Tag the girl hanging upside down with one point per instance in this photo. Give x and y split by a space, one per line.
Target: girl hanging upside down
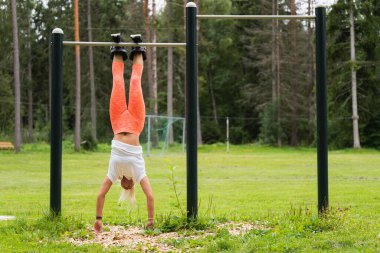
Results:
126 162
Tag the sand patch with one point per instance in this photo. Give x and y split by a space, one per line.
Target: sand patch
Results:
136 238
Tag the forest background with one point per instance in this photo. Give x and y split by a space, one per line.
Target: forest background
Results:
259 74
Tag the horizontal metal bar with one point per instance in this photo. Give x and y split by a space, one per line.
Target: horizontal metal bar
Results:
124 44
255 17
164 117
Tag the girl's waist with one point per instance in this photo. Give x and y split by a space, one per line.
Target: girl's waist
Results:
120 147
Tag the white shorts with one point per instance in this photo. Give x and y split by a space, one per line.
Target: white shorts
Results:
126 160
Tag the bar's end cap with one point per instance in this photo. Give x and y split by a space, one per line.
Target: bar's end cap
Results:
191 5
58 30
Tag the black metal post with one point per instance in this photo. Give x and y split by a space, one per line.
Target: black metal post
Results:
191 109
321 75
56 121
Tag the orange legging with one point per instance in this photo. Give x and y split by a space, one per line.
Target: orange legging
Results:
127 119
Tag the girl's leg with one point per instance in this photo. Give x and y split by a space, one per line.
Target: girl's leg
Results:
136 106
118 101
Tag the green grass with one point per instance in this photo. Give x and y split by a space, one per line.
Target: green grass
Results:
276 187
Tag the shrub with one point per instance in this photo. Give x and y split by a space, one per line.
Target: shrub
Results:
88 141
211 132
238 135
269 126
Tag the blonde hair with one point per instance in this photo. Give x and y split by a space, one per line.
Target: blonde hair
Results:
128 195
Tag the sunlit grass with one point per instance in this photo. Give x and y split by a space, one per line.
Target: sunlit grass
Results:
251 182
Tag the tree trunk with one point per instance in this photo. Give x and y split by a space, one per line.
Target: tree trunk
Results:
274 81
311 81
152 91
30 102
77 71
154 58
16 75
184 17
276 72
355 115
212 95
170 72
92 80
293 31
149 54
199 126
154 72
278 81
200 141
30 86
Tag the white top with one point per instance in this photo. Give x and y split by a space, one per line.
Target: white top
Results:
126 160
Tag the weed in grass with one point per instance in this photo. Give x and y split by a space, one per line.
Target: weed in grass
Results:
222 241
210 209
126 220
301 222
151 232
223 244
170 222
174 182
48 227
257 233
177 242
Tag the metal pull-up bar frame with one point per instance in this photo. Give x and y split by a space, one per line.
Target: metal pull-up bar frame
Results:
57 44
256 17
122 44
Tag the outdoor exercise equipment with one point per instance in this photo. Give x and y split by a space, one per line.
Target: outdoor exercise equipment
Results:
321 89
57 44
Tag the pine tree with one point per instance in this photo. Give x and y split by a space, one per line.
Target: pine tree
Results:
78 79
91 74
16 75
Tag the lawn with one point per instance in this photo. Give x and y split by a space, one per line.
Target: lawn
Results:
274 189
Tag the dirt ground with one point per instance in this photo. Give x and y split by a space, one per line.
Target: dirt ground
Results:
136 238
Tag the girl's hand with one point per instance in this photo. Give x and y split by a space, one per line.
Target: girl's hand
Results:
150 224
98 226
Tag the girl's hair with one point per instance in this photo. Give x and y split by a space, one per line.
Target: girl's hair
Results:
128 195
